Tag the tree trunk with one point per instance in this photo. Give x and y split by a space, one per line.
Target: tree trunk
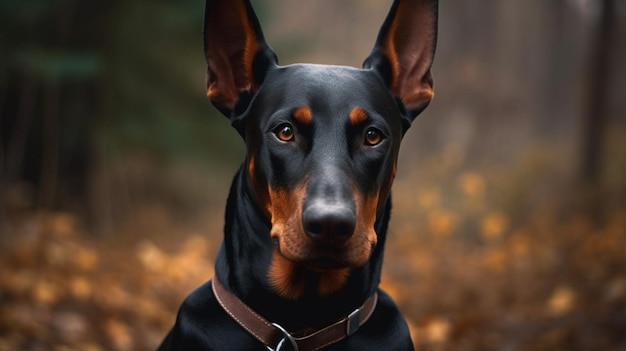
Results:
596 118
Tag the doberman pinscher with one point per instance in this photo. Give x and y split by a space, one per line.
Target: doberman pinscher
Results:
307 213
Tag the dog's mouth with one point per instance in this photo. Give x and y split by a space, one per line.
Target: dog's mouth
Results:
324 260
324 263
325 268
320 258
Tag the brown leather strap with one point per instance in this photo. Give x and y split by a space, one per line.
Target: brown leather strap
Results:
273 335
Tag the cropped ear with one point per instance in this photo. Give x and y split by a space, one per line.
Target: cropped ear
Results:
404 53
236 53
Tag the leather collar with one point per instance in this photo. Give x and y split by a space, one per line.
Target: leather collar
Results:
276 338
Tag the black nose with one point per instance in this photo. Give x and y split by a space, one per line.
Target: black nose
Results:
328 224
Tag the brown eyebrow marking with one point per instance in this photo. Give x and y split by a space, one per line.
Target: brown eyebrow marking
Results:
358 116
303 115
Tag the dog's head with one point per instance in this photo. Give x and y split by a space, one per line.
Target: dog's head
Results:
322 141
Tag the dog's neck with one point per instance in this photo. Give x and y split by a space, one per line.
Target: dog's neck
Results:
247 239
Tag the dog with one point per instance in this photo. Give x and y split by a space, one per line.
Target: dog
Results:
307 213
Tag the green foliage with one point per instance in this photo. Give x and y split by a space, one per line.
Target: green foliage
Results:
23 14
143 58
59 65
155 71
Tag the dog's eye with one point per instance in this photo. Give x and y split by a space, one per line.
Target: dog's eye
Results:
373 137
284 132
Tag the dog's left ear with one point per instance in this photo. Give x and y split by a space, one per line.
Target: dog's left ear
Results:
404 52
236 53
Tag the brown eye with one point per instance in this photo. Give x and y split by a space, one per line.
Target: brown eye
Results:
373 137
284 132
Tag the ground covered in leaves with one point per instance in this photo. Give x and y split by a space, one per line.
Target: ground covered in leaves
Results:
478 259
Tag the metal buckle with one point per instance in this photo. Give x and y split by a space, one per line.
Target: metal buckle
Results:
287 343
353 322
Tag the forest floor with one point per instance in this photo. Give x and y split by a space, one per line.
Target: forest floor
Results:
489 258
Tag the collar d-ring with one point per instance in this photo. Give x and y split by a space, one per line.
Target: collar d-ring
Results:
287 343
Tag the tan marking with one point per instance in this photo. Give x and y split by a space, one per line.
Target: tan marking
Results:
332 281
366 208
250 50
358 116
419 98
303 115
251 169
287 278
222 94
285 209
260 188
391 53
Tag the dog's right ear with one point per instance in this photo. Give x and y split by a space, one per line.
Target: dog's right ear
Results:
236 53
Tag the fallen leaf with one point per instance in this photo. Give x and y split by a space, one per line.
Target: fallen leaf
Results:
151 256
69 326
80 288
120 335
493 226
561 301
45 293
471 184
437 330
442 222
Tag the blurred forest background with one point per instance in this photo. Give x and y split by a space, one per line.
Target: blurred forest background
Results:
509 230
